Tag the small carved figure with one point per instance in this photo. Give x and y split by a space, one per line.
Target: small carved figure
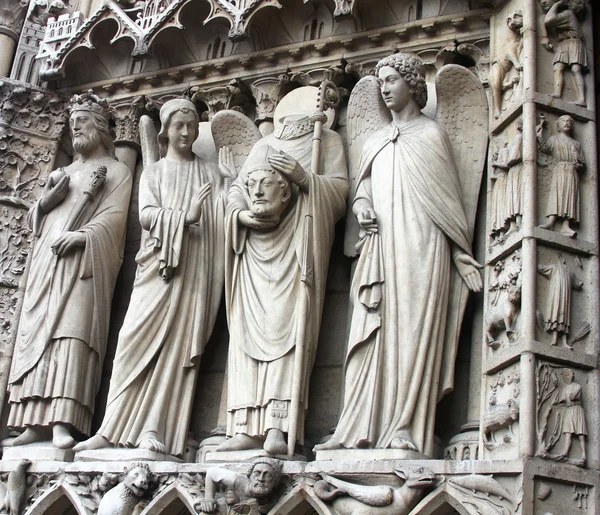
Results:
280 223
75 260
564 39
508 57
416 266
503 315
123 498
175 297
499 207
569 420
254 489
14 499
499 416
567 162
558 309
352 499
514 187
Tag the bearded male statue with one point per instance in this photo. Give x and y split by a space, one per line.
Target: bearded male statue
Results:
61 340
280 222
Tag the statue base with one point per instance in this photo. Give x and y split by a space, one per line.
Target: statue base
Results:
368 455
207 446
38 451
247 456
122 454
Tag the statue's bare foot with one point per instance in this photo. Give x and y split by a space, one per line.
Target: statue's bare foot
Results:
93 443
153 443
61 437
30 435
567 231
275 442
240 442
404 441
549 226
330 445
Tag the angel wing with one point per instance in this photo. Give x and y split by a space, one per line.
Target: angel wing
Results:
367 113
148 141
238 132
462 110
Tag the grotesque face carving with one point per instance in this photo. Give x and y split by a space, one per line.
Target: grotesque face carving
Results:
394 89
182 131
269 193
262 480
136 480
83 131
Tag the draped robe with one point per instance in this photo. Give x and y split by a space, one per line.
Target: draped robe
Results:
168 322
402 344
61 339
265 296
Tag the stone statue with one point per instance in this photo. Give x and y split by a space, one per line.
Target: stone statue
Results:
175 297
124 497
79 225
508 57
558 310
243 490
281 216
514 186
415 267
499 202
567 162
359 499
564 39
567 417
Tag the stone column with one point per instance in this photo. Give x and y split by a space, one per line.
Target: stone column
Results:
11 22
540 378
127 120
31 124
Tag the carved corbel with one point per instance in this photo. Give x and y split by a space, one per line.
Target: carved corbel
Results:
127 121
234 95
267 93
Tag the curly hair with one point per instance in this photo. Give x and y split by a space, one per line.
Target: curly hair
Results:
411 69
276 465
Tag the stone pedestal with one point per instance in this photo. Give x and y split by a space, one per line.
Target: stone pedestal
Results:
39 451
124 455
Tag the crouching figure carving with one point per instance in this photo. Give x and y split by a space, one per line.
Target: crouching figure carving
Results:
123 498
352 499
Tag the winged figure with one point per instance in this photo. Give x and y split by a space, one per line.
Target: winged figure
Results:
414 189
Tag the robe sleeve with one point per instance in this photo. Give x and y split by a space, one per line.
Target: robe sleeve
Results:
165 226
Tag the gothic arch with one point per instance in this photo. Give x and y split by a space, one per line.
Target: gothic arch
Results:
173 501
59 500
301 500
441 502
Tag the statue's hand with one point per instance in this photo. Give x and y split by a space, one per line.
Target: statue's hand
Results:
468 269
289 167
226 163
367 219
253 222
545 42
55 194
67 241
207 506
195 210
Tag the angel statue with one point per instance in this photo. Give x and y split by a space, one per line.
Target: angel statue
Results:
176 293
280 222
414 198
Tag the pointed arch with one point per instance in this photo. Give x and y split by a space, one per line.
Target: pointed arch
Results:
301 500
440 502
170 502
59 500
